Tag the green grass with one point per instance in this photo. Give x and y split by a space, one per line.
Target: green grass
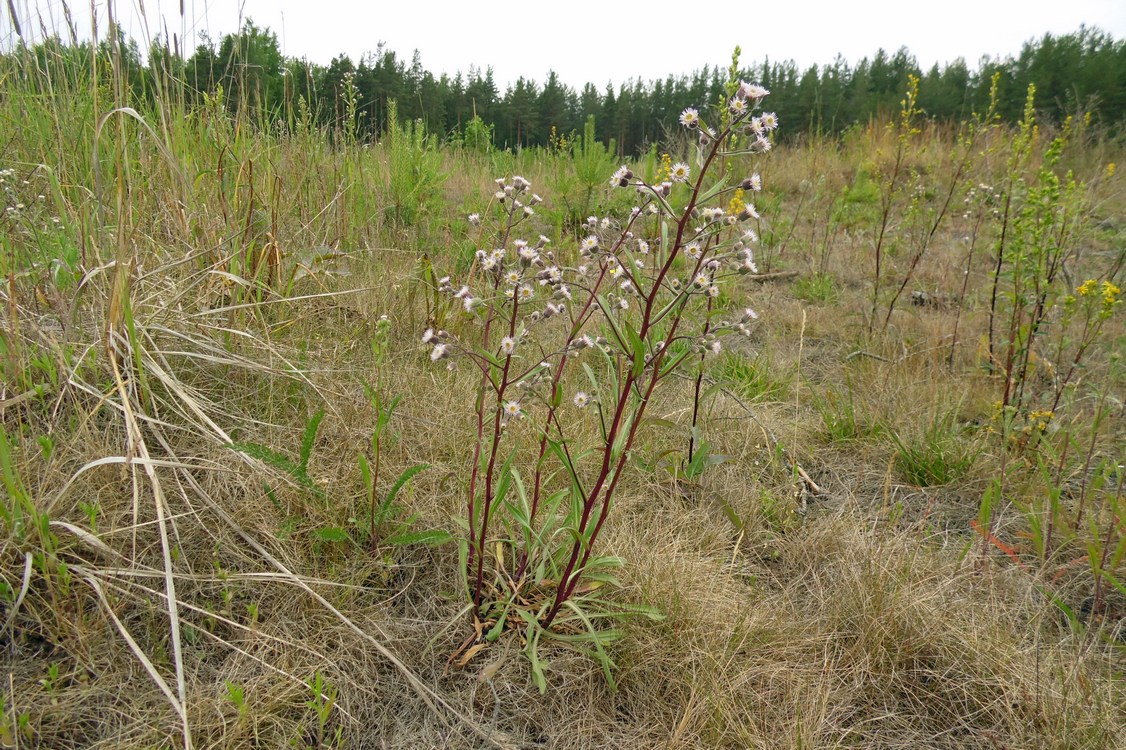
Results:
182 556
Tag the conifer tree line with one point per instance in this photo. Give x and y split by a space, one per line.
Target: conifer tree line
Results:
1081 71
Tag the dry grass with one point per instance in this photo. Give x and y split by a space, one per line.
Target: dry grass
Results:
851 612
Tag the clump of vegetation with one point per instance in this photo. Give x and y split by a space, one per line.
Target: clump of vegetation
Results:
241 505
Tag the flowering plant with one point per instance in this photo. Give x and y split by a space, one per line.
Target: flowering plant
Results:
617 304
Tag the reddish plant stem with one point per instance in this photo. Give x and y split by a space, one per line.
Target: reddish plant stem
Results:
498 413
480 408
373 491
567 581
699 380
556 377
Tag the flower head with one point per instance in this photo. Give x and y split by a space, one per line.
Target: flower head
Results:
751 91
507 345
679 172
754 182
690 118
512 409
581 399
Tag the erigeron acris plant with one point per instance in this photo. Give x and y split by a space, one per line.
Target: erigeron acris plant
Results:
617 308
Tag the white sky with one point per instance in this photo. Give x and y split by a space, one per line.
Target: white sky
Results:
584 40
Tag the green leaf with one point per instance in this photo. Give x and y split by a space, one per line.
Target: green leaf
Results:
429 537
637 347
365 471
269 457
496 630
732 516
490 358
590 376
405 477
612 323
561 454
530 650
309 437
712 192
599 652
333 534
385 414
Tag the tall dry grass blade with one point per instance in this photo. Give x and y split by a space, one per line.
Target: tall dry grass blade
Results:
138 442
24 586
87 538
133 646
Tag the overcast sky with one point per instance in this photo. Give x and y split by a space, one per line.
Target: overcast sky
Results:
605 41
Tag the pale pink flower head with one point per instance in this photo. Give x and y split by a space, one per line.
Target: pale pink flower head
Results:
751 91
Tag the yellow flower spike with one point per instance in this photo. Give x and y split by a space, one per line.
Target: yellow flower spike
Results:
735 207
1110 170
1086 287
1110 294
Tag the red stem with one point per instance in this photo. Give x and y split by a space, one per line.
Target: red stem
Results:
567 583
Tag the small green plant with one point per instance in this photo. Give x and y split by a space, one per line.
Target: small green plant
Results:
477 136
818 288
579 178
387 521
842 418
702 458
858 204
236 694
322 702
415 169
939 456
51 683
299 470
14 728
753 378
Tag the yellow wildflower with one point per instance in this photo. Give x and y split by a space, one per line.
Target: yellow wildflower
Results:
736 204
1110 293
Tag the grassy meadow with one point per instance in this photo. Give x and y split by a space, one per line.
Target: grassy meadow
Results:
904 525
